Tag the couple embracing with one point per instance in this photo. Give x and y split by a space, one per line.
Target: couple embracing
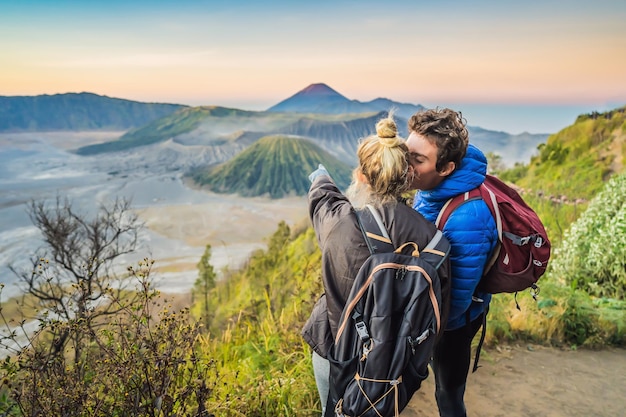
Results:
436 160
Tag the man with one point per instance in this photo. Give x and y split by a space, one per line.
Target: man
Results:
445 165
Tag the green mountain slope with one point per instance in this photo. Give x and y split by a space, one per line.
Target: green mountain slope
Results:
182 121
277 166
578 160
77 111
571 168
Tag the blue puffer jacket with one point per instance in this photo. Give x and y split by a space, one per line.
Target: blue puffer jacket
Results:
471 231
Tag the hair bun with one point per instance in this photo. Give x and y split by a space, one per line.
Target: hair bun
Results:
386 129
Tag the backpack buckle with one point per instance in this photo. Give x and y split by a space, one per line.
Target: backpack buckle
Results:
361 329
418 340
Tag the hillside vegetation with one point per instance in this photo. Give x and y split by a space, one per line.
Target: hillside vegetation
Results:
276 166
576 161
571 167
592 256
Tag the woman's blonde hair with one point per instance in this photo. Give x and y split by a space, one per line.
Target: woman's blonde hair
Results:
383 162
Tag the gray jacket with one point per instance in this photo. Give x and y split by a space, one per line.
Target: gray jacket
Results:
344 250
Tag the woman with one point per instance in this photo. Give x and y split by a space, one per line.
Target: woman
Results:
381 179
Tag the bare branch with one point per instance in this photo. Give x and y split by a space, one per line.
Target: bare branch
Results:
72 276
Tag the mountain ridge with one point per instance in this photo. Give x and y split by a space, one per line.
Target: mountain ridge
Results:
321 98
223 131
77 111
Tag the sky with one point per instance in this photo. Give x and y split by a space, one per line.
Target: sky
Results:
507 65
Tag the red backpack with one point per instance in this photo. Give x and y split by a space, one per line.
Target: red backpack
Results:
522 254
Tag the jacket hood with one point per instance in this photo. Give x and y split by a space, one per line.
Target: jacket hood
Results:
468 176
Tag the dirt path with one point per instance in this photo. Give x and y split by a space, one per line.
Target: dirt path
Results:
535 381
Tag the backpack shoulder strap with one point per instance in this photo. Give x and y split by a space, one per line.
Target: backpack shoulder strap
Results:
374 230
378 239
453 203
437 250
491 201
488 196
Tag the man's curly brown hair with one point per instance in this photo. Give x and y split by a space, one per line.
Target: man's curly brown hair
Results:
446 129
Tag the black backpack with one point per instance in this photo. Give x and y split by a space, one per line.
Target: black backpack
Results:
388 326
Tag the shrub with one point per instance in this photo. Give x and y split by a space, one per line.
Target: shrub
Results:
144 361
593 252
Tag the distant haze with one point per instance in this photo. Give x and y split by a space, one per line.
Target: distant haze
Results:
518 118
512 118
506 117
